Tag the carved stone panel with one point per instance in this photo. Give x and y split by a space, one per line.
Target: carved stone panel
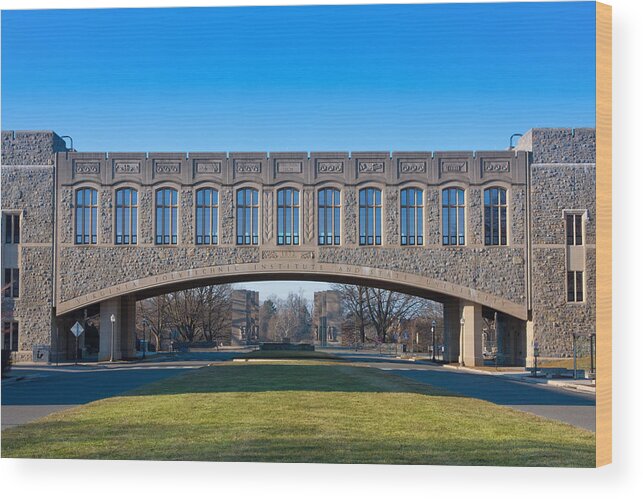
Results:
289 166
392 216
412 166
309 216
329 166
453 165
370 166
85 167
207 166
495 166
244 166
127 167
167 167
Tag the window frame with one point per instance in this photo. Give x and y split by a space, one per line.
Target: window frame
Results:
168 237
460 214
11 329
243 237
214 217
575 286
579 218
417 223
11 227
373 210
11 282
334 237
499 208
129 214
88 220
288 200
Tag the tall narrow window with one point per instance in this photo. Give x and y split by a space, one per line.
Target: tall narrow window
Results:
453 217
86 215
370 217
12 229
126 216
167 207
207 216
495 216
574 286
329 217
11 283
247 216
287 216
10 336
574 230
411 206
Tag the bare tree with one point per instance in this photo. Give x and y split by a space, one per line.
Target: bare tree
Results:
354 305
216 319
388 308
293 318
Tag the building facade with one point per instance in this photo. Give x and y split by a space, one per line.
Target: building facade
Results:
245 317
511 232
327 317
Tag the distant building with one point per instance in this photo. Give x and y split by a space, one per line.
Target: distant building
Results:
245 312
327 317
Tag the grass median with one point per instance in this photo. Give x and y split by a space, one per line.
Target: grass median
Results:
306 412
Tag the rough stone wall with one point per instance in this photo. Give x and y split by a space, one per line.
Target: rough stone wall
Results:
30 147
563 177
560 145
28 190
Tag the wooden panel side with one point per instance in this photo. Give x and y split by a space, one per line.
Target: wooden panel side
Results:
603 234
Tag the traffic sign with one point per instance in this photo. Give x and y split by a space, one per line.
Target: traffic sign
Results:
77 329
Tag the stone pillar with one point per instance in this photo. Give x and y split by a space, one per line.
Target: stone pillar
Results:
502 340
529 333
128 327
124 310
451 314
471 340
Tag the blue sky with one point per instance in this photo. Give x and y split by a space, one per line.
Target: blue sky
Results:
387 77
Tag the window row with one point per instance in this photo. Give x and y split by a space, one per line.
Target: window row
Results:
288 216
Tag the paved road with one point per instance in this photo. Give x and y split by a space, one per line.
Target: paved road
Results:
49 389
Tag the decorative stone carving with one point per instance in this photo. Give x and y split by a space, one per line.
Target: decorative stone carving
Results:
289 254
371 166
207 166
289 166
124 167
267 216
453 166
83 167
412 166
496 166
243 166
309 203
167 167
330 167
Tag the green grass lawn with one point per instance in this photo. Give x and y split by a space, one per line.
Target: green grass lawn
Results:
308 412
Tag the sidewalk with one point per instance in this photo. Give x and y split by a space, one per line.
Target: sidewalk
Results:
581 385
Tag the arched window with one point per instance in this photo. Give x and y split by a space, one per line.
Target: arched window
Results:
370 217
287 216
247 216
453 217
207 216
166 215
411 217
495 216
328 217
126 216
86 215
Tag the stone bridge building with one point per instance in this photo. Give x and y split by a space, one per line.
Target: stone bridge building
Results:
509 232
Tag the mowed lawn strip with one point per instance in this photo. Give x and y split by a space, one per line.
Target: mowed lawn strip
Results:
308 412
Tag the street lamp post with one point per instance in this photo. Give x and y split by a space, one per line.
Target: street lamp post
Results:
111 354
144 338
462 342
433 341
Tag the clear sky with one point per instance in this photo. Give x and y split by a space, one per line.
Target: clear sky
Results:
378 77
